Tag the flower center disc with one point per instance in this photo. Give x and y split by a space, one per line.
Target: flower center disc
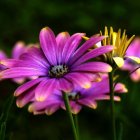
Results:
74 96
58 71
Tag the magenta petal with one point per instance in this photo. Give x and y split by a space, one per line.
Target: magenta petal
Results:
45 88
61 40
88 44
107 97
35 56
71 45
19 80
49 103
135 76
88 102
18 49
22 100
133 49
9 62
2 55
18 72
92 54
120 88
79 79
52 108
93 67
65 85
27 86
48 44
75 107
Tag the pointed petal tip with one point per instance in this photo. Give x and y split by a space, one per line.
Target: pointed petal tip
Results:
46 29
124 89
30 108
94 106
19 104
1 76
48 112
2 62
64 33
20 44
117 98
75 112
109 69
85 38
17 93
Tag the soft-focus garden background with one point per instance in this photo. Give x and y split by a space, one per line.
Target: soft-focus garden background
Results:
22 20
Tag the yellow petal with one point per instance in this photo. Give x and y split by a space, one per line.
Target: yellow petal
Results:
114 38
119 61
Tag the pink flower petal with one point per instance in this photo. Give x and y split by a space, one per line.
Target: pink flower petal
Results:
93 67
79 79
61 40
23 99
18 72
45 88
88 44
65 85
92 54
71 45
18 49
27 86
48 44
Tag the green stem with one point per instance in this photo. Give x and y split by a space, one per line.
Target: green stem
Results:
68 109
75 117
120 131
112 105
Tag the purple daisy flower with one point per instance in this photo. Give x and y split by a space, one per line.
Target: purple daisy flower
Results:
59 64
130 65
18 49
78 98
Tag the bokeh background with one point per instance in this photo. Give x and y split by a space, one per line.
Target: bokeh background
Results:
22 20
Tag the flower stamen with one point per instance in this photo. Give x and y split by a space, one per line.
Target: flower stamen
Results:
58 71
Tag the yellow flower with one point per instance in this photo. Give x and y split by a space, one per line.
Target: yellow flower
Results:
120 42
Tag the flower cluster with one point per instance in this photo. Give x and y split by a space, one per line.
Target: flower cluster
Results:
66 64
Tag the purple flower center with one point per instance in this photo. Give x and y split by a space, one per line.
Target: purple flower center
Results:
74 96
58 71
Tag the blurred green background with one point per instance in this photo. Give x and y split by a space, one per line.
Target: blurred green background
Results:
22 20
